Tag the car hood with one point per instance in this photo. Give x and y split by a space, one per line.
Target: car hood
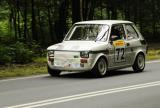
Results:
79 46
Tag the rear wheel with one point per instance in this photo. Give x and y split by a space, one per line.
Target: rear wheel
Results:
53 72
139 63
100 68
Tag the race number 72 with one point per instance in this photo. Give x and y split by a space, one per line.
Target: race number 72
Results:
119 54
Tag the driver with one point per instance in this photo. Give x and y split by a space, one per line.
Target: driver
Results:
115 34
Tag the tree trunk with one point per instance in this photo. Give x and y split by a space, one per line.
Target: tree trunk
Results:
18 18
76 16
91 12
25 20
33 23
14 23
61 24
153 18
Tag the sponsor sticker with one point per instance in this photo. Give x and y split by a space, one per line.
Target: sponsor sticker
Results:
118 43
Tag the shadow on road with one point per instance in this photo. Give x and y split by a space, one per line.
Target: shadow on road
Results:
88 75
120 72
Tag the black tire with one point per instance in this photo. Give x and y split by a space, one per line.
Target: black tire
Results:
53 72
139 63
100 68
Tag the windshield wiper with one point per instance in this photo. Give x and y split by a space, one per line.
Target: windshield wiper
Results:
101 37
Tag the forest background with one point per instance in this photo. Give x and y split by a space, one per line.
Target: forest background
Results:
27 27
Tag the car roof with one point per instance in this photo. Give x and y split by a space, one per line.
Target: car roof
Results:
108 22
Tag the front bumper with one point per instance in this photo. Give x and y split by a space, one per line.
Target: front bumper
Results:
81 67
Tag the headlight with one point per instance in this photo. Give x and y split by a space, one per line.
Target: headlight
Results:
84 54
51 53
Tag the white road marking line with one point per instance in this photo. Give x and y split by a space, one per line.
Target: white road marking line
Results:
23 78
85 95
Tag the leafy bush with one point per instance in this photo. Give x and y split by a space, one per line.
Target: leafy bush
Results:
20 53
16 53
4 55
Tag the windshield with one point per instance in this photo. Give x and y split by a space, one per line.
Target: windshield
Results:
88 32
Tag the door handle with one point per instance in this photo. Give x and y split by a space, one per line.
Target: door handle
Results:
128 44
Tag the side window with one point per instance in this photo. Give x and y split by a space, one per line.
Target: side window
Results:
117 33
130 31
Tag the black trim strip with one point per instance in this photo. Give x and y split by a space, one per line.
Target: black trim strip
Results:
100 51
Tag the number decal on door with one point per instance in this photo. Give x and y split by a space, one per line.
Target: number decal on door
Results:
119 46
119 54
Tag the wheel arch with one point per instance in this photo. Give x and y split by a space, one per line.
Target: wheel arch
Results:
98 57
139 52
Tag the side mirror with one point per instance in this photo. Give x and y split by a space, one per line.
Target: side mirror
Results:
111 42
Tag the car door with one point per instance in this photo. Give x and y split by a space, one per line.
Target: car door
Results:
132 42
118 45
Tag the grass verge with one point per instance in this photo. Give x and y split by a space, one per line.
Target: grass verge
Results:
154 51
36 68
153 54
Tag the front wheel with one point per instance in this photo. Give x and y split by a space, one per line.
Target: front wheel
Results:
100 68
139 63
53 72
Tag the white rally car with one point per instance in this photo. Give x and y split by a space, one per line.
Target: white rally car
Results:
98 46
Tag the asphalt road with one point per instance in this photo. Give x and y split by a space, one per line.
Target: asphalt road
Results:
121 89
